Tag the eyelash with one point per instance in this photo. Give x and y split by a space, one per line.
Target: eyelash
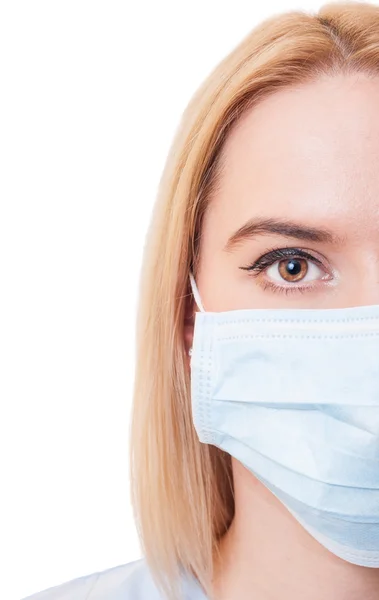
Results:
277 254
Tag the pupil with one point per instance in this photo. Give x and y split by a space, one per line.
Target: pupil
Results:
293 267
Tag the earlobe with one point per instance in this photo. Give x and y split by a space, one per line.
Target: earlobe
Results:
189 321
188 335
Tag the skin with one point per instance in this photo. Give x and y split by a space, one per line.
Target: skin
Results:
308 154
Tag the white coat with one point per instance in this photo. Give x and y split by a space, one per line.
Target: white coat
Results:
131 581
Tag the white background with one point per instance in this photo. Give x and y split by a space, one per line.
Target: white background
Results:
91 94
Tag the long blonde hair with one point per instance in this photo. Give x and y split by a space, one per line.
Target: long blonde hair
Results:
182 491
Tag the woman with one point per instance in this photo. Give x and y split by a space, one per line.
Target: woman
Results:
260 294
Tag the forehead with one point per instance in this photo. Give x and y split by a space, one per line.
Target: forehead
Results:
310 152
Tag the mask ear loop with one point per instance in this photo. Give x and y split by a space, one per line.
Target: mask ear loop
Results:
197 298
196 294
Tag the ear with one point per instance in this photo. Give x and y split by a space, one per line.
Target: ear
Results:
189 322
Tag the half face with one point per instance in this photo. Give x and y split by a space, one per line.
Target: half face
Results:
295 222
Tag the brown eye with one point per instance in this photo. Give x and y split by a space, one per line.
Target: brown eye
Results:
293 269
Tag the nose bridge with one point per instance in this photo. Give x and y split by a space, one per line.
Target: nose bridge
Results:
365 299
365 290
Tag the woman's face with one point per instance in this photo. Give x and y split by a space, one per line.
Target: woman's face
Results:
296 220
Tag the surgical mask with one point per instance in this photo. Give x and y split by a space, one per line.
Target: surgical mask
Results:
293 394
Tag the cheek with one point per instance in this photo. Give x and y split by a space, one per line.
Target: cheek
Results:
222 284
211 276
214 285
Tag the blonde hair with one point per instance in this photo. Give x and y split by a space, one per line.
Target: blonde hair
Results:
182 490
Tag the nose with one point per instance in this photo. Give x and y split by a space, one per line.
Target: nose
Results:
364 293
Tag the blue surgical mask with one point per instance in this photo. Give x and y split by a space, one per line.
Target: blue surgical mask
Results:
293 394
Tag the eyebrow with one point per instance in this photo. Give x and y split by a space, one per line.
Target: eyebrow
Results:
289 229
